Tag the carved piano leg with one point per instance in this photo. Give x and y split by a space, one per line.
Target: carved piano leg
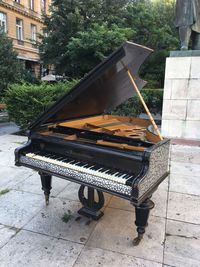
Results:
142 214
46 185
91 208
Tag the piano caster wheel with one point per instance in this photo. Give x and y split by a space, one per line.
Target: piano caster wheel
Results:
136 241
47 199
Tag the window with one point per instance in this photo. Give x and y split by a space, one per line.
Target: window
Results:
17 1
33 35
31 4
19 30
3 21
43 6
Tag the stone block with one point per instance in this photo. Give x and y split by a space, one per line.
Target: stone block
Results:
174 109
116 231
49 221
179 89
167 89
104 258
178 68
17 208
195 68
193 110
172 128
185 184
194 89
185 208
182 244
6 233
33 249
186 154
192 130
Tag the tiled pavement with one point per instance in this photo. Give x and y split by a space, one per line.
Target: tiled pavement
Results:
32 234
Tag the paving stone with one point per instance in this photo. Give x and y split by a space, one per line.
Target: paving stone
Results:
116 231
159 198
71 193
36 250
10 176
185 184
49 221
17 208
187 154
99 257
183 168
33 184
184 207
182 244
6 233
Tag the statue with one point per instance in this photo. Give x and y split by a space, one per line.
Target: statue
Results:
188 22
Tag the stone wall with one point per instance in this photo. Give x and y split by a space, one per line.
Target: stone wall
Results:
181 105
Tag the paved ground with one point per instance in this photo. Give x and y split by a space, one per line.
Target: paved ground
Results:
32 234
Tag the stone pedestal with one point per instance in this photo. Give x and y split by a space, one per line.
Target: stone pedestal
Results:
181 104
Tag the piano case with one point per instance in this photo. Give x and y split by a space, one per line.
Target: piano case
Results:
76 139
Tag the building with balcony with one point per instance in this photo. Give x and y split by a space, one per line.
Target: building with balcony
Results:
22 21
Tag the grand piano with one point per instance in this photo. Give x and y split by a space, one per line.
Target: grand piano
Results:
76 139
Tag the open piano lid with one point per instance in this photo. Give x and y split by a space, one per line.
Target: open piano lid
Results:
104 88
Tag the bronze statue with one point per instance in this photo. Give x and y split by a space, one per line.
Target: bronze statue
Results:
188 22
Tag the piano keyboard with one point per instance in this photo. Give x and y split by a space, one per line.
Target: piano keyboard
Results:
84 167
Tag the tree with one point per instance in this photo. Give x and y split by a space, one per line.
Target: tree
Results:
71 22
70 17
10 67
93 45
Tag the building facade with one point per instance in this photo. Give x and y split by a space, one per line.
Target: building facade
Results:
22 21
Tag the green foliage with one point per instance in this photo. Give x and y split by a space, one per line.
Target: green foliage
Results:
25 102
67 216
10 67
70 47
4 191
70 17
133 106
94 45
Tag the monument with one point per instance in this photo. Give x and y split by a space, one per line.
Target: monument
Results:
181 104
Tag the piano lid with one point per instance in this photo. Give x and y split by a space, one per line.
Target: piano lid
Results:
102 89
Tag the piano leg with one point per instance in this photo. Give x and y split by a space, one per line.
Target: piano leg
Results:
142 214
46 185
91 208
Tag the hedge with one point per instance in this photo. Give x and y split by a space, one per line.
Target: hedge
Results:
133 106
26 102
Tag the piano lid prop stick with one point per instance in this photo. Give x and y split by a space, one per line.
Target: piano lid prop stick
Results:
142 100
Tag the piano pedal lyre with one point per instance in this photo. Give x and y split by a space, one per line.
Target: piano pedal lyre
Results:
91 208
46 185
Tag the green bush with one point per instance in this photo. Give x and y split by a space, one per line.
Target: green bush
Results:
133 106
25 102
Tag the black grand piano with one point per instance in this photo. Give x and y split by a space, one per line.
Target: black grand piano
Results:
76 139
